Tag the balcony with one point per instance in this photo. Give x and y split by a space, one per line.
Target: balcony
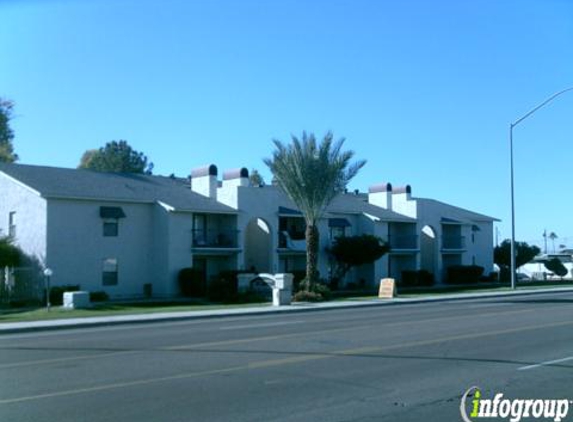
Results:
453 243
292 241
402 242
216 239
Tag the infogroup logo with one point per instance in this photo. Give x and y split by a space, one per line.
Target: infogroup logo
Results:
512 409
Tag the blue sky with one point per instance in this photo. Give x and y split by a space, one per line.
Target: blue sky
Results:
424 90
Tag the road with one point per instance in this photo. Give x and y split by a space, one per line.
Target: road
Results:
397 363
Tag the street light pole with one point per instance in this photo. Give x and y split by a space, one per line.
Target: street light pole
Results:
511 126
48 274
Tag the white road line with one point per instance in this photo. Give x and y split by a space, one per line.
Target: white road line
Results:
267 324
548 363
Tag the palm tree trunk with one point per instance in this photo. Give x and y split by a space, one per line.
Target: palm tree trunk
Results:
312 240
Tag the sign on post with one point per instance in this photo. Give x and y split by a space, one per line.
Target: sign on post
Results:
387 288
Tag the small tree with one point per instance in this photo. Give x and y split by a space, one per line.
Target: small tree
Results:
7 154
556 266
553 236
353 251
256 179
10 254
116 157
524 253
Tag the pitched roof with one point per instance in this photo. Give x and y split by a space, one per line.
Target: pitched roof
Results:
351 203
457 213
54 182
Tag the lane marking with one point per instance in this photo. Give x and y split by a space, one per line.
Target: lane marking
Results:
357 352
261 325
65 359
547 363
254 339
342 329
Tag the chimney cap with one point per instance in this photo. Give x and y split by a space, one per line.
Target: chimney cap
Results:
210 170
236 173
403 189
381 187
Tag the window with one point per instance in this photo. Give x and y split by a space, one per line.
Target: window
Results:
109 273
110 228
111 216
338 227
336 232
12 224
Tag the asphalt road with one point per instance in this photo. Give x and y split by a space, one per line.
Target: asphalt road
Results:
399 363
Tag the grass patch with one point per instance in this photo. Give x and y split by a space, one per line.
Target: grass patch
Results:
420 292
111 309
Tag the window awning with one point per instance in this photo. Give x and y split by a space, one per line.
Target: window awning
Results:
111 212
288 211
338 222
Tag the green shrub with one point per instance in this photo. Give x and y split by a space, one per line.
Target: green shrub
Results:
298 276
556 266
224 287
413 278
57 293
100 296
317 293
192 283
464 274
304 296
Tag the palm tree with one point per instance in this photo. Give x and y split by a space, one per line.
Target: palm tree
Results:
312 175
553 236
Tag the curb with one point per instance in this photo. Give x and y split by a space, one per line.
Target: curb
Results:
93 322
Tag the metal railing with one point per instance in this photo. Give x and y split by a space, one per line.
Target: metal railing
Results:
215 238
294 240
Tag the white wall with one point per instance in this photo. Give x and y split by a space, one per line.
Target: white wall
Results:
30 217
76 246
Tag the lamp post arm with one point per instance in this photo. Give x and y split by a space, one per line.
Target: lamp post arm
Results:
548 100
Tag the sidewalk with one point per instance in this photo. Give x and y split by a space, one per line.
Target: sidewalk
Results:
30 326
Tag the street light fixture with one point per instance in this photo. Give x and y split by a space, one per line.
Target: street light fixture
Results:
511 126
47 275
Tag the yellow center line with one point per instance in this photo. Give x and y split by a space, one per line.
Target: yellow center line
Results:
65 359
263 338
341 329
357 352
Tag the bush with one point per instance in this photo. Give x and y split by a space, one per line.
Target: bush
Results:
224 287
556 266
298 277
317 293
100 296
413 278
304 296
57 293
464 274
192 282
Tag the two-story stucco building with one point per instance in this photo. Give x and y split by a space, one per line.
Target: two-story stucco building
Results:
130 235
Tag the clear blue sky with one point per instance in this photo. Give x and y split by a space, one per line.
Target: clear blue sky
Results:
424 90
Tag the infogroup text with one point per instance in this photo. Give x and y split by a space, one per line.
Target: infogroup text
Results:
512 409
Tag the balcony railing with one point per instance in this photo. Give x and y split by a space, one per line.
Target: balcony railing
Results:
403 241
453 242
215 238
293 241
